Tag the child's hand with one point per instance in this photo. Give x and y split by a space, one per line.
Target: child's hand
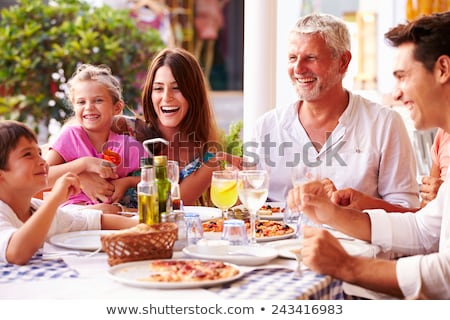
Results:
105 169
120 187
65 186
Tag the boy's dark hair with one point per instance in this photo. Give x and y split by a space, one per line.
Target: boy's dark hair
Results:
10 133
430 35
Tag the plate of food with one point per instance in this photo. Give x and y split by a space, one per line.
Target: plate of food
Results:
240 255
88 240
266 230
172 273
272 211
353 248
269 211
206 213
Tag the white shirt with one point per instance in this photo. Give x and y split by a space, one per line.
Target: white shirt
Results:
369 150
64 221
426 236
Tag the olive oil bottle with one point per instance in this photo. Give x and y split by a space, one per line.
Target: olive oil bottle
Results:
148 197
163 185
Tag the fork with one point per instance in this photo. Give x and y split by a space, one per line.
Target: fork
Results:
60 254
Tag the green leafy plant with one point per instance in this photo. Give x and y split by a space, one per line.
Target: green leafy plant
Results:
41 46
233 140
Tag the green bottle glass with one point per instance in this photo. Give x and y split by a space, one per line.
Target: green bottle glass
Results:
163 185
148 205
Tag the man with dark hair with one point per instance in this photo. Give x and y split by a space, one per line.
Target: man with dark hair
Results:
422 71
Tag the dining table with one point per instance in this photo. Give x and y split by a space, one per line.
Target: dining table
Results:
60 273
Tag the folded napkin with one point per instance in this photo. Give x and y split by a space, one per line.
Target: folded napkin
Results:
37 268
281 284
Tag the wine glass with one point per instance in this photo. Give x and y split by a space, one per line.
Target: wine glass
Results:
253 187
173 174
301 175
224 190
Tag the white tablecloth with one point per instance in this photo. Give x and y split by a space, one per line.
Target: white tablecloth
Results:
74 277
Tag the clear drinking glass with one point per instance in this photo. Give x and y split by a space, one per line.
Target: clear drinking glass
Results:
234 232
291 216
253 187
194 228
224 192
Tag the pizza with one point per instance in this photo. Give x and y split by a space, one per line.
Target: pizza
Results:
265 210
213 226
268 210
270 228
264 228
189 271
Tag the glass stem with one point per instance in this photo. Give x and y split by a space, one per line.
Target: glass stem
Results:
224 214
252 228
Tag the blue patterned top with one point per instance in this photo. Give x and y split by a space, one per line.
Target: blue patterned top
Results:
194 165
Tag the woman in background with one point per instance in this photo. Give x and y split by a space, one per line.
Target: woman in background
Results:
177 108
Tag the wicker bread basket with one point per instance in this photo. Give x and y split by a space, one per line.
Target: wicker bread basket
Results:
141 242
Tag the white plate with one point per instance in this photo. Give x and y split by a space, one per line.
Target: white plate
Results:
218 235
206 213
241 255
79 240
274 238
132 273
273 216
352 247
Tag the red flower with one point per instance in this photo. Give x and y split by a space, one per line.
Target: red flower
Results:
111 156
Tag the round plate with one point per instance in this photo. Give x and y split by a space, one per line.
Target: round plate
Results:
206 213
134 274
241 255
353 248
79 240
218 235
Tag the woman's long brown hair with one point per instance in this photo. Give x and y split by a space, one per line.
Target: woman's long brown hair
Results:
199 124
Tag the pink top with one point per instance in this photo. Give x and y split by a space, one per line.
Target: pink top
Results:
440 151
74 143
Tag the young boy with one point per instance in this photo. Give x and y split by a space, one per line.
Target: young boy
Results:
25 223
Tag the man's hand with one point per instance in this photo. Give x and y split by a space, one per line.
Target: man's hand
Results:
312 199
329 186
349 198
322 252
429 189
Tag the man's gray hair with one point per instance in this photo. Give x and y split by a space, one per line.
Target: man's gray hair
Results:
332 29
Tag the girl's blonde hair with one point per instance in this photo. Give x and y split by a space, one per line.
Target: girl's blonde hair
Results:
102 74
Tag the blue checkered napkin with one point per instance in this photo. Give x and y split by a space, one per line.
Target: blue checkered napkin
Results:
281 284
37 268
